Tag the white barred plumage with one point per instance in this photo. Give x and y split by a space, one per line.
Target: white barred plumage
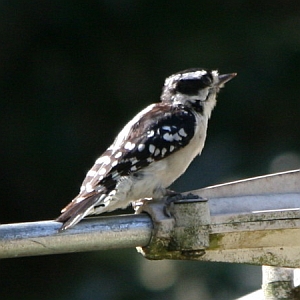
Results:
152 150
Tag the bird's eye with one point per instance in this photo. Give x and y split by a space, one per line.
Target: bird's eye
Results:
207 79
192 86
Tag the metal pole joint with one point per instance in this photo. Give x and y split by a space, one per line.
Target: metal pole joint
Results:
182 235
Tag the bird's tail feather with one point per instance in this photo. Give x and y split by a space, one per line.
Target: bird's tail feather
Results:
76 211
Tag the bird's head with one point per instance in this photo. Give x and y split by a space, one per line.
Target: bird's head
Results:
195 88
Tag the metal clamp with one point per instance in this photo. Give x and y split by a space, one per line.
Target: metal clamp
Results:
184 235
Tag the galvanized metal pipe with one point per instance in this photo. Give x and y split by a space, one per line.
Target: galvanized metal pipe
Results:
41 238
232 206
277 283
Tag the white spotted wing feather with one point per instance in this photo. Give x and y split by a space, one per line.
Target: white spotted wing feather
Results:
135 165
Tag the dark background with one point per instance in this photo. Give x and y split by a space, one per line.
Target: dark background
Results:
73 72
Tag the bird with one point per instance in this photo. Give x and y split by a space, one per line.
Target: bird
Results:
152 150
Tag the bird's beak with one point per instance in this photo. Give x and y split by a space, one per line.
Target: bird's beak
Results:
224 78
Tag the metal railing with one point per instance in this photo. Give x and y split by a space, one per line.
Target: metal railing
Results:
254 221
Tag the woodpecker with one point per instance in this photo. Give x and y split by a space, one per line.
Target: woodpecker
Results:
153 149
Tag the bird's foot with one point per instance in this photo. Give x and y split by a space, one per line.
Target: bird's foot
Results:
137 205
174 197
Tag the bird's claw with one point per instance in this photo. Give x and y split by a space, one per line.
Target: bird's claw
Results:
174 197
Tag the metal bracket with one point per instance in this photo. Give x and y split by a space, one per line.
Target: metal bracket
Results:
255 221
183 235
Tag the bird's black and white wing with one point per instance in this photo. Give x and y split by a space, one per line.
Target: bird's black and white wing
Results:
155 133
